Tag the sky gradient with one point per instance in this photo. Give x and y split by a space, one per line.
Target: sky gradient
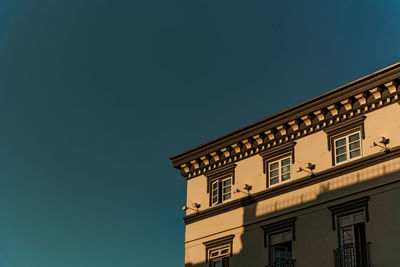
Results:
96 95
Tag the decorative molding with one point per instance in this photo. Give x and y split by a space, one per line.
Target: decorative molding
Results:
325 175
226 240
279 226
349 206
344 103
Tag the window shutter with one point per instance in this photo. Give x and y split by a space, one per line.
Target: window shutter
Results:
225 262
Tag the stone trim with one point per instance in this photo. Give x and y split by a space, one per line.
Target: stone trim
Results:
356 98
273 138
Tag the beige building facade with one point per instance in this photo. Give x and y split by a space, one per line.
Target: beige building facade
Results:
315 185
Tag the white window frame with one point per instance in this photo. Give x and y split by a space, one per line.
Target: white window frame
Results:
347 146
280 174
219 191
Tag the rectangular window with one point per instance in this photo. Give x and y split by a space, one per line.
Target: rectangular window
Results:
221 191
281 249
347 147
279 171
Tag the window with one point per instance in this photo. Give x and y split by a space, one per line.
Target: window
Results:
221 191
281 249
344 139
279 171
347 147
219 184
353 250
278 238
278 162
219 251
219 257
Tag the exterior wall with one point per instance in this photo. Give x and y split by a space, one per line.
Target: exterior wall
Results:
315 239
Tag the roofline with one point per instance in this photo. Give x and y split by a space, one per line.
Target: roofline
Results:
246 131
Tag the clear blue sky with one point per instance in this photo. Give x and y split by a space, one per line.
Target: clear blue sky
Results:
95 96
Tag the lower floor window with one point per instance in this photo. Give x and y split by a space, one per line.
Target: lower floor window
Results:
281 249
219 257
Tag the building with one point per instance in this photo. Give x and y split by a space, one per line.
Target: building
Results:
315 185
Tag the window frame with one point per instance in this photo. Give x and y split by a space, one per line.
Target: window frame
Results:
219 244
217 177
280 167
340 129
275 154
346 136
220 190
279 227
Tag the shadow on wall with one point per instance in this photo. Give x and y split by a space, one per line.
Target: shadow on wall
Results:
256 214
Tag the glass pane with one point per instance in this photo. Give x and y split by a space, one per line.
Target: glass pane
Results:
355 153
217 264
274 166
273 173
354 137
286 169
224 251
226 189
227 182
286 161
286 177
340 142
215 199
341 150
274 181
341 158
354 145
226 196
214 254
214 185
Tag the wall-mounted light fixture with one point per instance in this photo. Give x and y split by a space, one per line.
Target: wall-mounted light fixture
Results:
196 207
247 188
308 169
383 143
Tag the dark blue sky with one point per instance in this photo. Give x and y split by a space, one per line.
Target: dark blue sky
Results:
95 96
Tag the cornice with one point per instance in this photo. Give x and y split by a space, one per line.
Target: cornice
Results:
296 184
347 102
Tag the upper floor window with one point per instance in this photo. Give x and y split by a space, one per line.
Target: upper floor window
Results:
278 162
344 139
347 147
219 184
221 191
279 171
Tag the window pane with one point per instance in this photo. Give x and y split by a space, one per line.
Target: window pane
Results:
354 137
274 173
227 182
285 169
341 150
217 264
354 145
286 161
341 158
226 189
274 181
214 185
355 153
215 253
226 196
340 142
286 177
274 166
215 200
224 251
